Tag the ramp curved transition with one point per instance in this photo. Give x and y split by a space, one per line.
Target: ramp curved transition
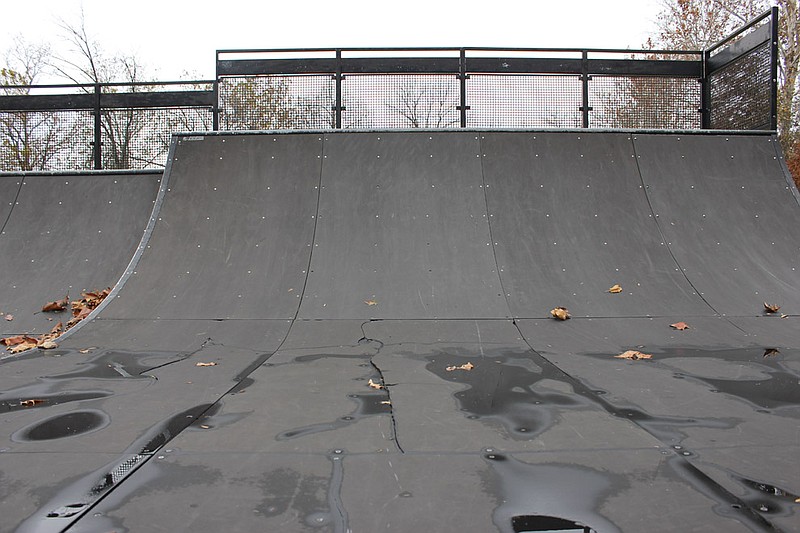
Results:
349 331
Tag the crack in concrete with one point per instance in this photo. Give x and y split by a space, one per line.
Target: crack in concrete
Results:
384 385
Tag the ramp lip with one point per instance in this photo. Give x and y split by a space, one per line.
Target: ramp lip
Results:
55 173
645 131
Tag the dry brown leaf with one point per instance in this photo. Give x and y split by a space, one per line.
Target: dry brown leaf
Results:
771 308
374 385
466 366
47 345
9 317
370 302
679 326
769 352
616 289
25 346
560 313
204 426
87 350
205 364
784 316
57 305
31 402
11 341
634 355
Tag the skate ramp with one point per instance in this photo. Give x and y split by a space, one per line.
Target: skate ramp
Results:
350 331
64 234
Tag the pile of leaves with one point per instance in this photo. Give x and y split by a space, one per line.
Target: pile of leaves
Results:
80 309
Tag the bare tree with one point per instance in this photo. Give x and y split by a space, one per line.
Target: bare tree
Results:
425 102
30 140
124 130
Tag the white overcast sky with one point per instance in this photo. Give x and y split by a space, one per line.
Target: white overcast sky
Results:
173 36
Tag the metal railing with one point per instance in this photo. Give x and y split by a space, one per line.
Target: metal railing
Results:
731 86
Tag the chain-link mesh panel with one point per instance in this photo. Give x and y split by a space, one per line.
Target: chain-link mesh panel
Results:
140 138
401 101
740 92
277 102
523 101
645 102
46 140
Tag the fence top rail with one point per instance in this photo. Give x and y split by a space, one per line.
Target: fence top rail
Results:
107 84
457 50
740 30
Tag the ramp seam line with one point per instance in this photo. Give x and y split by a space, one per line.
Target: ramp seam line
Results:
661 231
13 204
579 388
489 225
787 174
249 369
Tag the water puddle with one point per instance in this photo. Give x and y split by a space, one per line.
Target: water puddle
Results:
367 404
61 426
756 375
48 400
532 496
118 365
507 387
768 499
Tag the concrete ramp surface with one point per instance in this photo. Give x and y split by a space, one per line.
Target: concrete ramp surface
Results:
350 331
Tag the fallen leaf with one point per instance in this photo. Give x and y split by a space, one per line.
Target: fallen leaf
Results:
386 402
57 305
25 346
31 402
680 326
616 289
205 364
466 366
370 302
48 345
784 316
204 426
633 355
768 352
771 308
290 290
560 313
374 385
87 350
9 317
11 341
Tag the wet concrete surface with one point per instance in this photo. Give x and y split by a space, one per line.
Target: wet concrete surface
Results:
304 443
196 404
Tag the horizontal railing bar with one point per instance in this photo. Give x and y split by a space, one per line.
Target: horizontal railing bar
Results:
106 84
739 31
458 49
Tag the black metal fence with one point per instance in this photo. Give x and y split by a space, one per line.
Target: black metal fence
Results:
732 86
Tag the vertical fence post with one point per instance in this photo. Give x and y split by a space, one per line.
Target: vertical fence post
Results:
773 69
705 94
338 80
98 130
462 76
585 82
215 107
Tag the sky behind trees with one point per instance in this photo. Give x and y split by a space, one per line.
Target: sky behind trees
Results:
173 37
